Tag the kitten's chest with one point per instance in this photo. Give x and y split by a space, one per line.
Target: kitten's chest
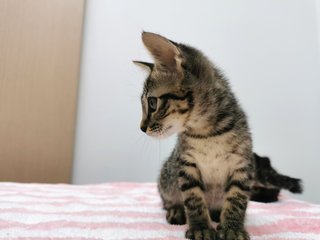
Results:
212 159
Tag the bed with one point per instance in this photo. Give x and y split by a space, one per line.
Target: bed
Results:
129 211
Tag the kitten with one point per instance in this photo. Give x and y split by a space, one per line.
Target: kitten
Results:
268 182
211 173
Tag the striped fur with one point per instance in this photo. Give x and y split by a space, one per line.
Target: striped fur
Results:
211 171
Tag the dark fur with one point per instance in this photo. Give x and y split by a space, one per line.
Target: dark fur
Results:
272 181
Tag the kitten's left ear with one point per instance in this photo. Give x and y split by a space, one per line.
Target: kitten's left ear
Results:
165 53
144 65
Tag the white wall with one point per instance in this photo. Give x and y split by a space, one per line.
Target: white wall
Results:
268 49
318 18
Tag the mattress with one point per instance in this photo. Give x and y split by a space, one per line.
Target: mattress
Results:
129 211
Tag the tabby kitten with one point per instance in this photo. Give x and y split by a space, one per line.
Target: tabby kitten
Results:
211 171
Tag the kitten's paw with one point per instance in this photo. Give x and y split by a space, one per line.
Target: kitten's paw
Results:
176 215
231 234
201 234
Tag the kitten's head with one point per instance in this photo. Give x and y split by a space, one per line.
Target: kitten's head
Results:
167 99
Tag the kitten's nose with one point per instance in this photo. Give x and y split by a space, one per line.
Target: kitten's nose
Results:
143 128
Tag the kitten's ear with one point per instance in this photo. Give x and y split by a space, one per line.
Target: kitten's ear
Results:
164 52
144 65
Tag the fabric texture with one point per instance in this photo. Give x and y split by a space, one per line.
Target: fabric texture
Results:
129 211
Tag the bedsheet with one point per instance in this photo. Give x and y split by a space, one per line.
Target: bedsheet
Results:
129 211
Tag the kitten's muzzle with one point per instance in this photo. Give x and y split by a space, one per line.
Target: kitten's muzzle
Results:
143 128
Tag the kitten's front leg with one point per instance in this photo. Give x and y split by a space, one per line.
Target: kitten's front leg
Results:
231 225
197 212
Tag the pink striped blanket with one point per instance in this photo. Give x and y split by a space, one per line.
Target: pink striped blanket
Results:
128 211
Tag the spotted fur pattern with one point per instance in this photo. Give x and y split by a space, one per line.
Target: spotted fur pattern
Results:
211 171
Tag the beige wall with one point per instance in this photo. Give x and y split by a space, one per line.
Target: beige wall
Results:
40 44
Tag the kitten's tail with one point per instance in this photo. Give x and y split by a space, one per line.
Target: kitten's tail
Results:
268 176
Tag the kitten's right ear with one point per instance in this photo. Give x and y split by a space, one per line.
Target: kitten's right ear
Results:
144 65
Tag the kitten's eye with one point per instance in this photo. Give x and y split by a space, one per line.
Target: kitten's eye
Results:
152 101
